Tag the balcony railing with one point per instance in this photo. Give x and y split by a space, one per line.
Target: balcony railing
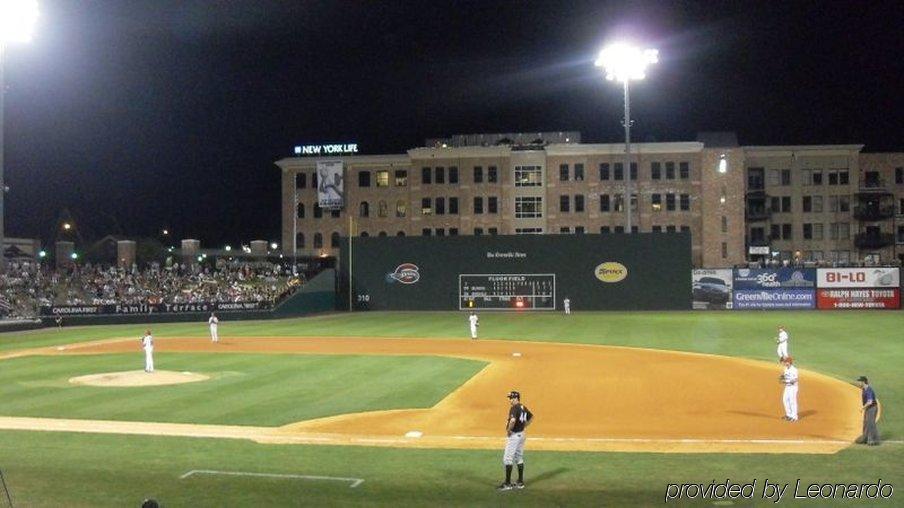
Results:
873 186
874 213
873 240
758 214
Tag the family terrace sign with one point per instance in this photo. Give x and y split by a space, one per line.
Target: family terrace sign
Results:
331 149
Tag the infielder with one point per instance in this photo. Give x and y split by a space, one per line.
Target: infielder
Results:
789 397
567 304
473 322
147 342
519 418
213 322
782 341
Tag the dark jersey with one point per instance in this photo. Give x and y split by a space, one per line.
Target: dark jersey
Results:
521 414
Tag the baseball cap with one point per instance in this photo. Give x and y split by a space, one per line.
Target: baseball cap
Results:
863 379
514 395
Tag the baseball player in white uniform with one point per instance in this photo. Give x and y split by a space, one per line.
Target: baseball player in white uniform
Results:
789 397
213 322
473 322
147 342
782 341
567 304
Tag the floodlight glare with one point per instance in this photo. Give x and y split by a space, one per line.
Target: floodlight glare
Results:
274 245
625 63
42 254
17 19
74 255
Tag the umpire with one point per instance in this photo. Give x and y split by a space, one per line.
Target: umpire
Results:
870 410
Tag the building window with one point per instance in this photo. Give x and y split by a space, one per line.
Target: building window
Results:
400 233
774 177
401 208
528 176
605 230
528 231
564 230
453 206
334 239
816 177
493 231
439 175
426 206
817 231
685 229
684 170
618 203
786 177
817 204
299 210
685 202
656 202
579 230
840 231
453 231
440 231
425 232
604 171
786 204
401 178
364 234
314 180
724 224
299 241
579 172
724 250
669 170
363 178
439 205
478 174
453 174
670 202
670 229
656 170
318 212
808 231
383 178
318 241
382 209
426 175
844 203
565 204
578 202
492 174
492 204
301 180
899 176
528 207
807 204
657 229
478 205
619 229
364 209
619 171
633 171
382 234
334 213
604 202
786 232
478 231
563 172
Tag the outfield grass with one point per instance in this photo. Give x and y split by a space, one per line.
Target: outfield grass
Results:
54 469
244 389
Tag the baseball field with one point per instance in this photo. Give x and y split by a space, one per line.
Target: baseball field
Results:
402 409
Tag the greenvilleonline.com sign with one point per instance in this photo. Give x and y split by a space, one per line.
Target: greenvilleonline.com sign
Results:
328 149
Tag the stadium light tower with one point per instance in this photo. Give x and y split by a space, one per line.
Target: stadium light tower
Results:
625 63
17 19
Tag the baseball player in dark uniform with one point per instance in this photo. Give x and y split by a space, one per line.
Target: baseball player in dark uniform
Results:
519 418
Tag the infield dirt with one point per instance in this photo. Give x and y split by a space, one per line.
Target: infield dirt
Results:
585 397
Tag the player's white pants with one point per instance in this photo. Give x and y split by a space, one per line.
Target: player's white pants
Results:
473 331
149 360
782 349
213 334
789 399
514 449
568 309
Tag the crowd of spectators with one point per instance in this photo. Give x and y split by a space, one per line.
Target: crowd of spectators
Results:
27 285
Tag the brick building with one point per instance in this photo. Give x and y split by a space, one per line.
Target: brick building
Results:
740 203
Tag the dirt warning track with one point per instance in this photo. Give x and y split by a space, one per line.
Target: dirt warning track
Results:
586 397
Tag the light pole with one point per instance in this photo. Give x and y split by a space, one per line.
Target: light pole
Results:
625 63
17 18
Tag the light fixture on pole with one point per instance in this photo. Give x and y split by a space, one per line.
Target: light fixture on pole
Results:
625 63
17 19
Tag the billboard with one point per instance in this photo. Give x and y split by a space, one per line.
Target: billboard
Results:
774 299
711 289
858 298
778 278
858 278
146 308
330 185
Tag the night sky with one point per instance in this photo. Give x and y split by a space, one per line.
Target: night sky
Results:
137 115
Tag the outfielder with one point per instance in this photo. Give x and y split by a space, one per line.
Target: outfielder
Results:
789 397
147 342
567 304
519 418
782 341
473 322
213 322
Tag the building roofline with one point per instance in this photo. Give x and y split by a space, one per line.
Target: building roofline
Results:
353 160
619 148
802 148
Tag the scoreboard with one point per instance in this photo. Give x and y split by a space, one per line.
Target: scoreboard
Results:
507 291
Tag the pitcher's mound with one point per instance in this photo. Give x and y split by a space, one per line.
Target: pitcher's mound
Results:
138 378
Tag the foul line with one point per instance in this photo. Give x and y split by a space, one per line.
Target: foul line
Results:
354 481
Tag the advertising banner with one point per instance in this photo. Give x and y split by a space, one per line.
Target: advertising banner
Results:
330 185
774 299
858 298
779 278
162 308
858 278
712 289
